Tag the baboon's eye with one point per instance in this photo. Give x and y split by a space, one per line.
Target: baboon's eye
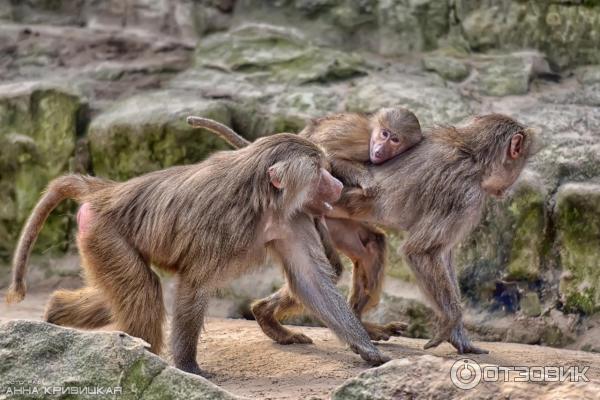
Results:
385 133
395 140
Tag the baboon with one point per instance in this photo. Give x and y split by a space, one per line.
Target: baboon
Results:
208 223
351 140
445 181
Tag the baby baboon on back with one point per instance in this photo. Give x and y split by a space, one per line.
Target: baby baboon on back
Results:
353 140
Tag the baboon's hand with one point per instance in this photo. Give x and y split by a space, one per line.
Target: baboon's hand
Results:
384 332
371 355
370 189
462 344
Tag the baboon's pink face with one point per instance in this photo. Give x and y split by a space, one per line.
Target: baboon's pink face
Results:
326 191
502 177
385 144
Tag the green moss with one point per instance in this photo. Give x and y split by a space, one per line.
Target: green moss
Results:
578 224
277 53
528 244
38 129
149 132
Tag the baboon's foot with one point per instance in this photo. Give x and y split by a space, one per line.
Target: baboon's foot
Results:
370 354
443 334
461 342
273 328
293 338
384 332
463 345
192 367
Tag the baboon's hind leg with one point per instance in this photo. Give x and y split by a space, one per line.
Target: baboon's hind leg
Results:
83 308
271 310
133 289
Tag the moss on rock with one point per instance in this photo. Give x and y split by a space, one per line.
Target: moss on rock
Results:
578 225
509 243
38 131
275 53
148 132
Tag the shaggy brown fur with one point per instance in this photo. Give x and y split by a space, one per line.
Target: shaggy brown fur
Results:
207 222
445 180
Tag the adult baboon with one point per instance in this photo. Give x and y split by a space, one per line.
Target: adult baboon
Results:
435 192
208 223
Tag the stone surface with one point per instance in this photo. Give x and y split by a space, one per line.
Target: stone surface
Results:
41 356
276 53
39 125
149 132
428 377
447 67
508 244
578 225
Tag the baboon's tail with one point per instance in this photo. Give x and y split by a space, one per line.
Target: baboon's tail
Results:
225 132
64 187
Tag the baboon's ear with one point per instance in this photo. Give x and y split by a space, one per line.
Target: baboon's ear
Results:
274 173
515 149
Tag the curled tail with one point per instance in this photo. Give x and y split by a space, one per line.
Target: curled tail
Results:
225 132
65 187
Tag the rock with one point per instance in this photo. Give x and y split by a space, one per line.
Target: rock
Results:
430 377
589 74
430 100
577 214
406 26
148 132
447 67
503 75
275 53
39 124
508 244
38 356
566 32
530 305
419 317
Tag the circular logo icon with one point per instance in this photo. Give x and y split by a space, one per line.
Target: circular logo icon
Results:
465 374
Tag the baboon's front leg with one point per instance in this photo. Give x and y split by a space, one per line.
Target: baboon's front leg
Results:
437 283
190 306
310 279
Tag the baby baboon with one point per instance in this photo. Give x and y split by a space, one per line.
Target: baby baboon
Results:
446 179
208 223
351 140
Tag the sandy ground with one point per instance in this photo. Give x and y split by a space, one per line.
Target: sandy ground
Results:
247 363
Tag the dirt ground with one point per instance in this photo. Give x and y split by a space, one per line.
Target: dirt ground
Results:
246 362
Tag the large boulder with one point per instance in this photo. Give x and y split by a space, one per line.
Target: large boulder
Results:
578 225
567 31
276 53
508 245
429 377
40 359
147 132
39 126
